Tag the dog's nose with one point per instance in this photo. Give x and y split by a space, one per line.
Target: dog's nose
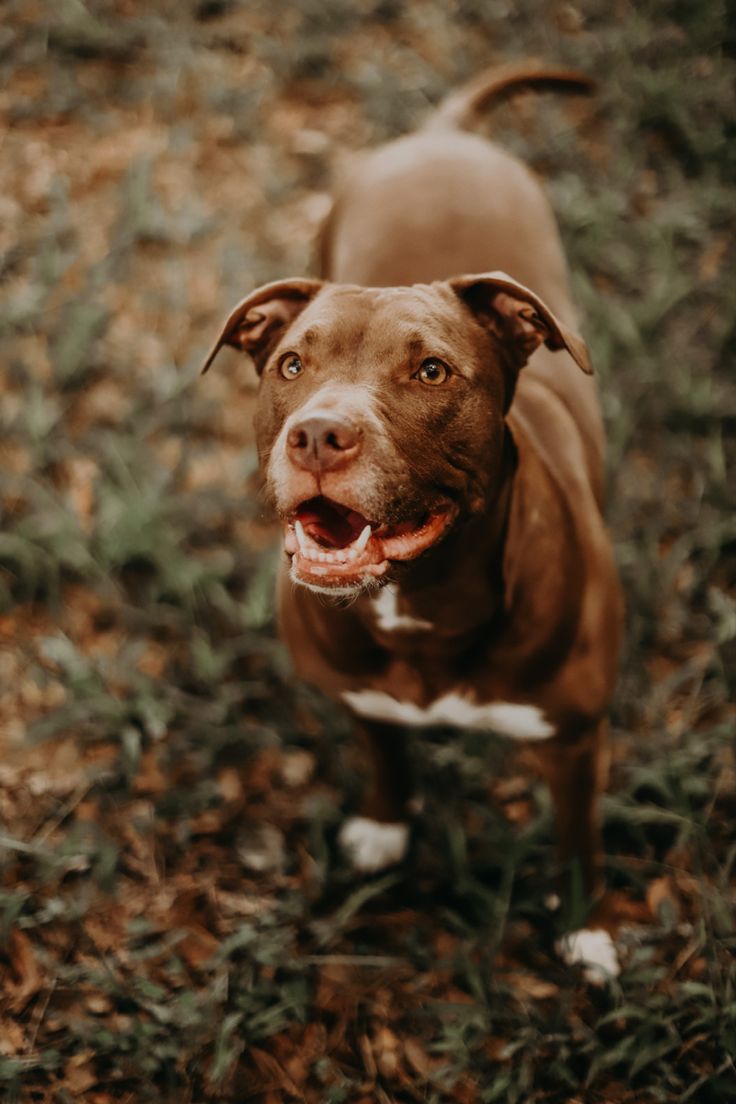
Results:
323 443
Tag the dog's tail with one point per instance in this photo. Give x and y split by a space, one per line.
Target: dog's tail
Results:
460 110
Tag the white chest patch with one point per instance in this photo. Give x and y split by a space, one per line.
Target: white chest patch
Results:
520 722
386 609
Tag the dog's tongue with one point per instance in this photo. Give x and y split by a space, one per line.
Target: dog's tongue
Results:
334 526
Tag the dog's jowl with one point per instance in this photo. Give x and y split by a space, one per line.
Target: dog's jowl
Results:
430 434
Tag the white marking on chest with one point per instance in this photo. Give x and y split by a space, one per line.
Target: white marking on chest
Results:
386 609
520 722
594 950
371 845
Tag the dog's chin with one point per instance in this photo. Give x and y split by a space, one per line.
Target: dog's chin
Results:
342 590
337 551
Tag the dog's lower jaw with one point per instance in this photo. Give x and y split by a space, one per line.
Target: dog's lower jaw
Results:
368 584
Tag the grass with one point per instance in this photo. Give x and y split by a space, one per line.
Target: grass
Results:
175 920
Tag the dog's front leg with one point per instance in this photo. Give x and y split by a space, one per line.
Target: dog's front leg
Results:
379 836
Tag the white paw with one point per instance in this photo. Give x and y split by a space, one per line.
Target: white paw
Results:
594 950
371 845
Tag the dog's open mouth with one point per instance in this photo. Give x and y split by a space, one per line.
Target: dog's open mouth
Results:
332 545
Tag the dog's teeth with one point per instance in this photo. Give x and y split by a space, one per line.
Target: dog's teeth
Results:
309 549
363 539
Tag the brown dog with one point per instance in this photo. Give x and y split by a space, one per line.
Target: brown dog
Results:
433 443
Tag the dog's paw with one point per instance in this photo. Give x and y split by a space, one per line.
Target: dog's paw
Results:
371 845
594 950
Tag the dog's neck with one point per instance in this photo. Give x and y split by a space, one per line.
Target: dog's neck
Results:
454 593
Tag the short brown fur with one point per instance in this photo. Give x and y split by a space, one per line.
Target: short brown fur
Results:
522 593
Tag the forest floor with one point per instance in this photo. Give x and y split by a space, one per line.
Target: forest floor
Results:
176 922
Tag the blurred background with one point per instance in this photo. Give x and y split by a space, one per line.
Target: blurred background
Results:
175 921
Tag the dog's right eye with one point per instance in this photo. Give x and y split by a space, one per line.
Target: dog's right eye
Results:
290 366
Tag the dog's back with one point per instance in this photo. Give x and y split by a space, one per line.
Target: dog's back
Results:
442 202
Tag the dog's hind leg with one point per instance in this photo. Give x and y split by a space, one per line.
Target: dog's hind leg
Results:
577 770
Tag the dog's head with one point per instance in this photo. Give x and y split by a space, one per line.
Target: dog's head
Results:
381 411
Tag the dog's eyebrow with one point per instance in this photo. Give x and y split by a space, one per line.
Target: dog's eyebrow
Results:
310 336
419 341
416 343
420 345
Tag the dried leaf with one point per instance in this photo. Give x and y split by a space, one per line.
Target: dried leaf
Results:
386 1050
532 986
12 1038
79 1074
24 976
662 898
198 946
418 1058
276 1073
366 1052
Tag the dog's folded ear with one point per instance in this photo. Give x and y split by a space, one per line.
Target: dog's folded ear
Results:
519 316
257 322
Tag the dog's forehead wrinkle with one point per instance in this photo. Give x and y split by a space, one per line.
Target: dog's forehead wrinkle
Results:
329 332
377 327
397 336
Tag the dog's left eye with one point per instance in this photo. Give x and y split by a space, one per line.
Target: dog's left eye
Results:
433 372
291 366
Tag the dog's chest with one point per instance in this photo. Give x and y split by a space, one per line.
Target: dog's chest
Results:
457 708
407 698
